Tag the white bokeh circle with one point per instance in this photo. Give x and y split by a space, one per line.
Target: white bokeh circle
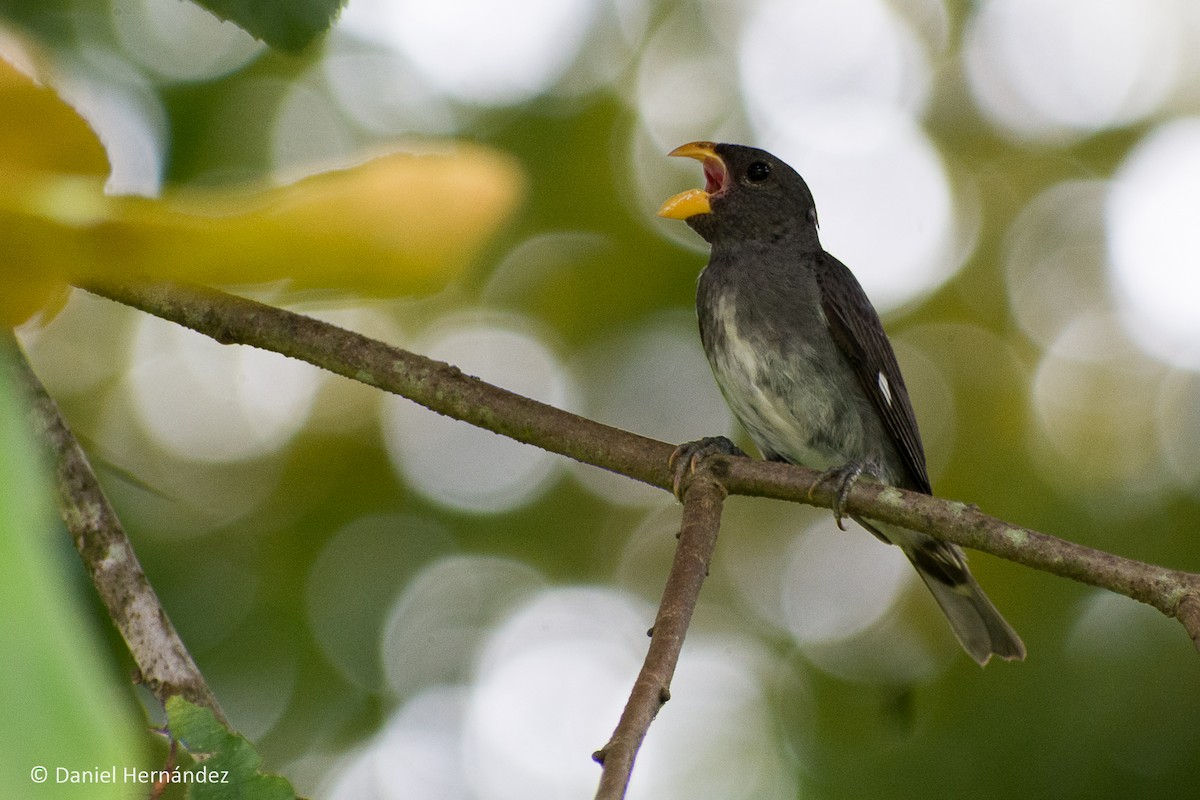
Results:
181 41
204 401
1154 242
1045 69
813 72
454 463
493 53
838 584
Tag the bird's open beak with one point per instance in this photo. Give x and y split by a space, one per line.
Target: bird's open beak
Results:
697 201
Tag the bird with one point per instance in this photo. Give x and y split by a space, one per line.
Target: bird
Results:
803 362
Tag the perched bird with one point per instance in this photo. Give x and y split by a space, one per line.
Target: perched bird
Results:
803 361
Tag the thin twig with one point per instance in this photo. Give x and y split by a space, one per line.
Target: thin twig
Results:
164 664
443 388
702 503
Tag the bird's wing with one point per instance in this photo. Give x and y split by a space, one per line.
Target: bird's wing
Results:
859 333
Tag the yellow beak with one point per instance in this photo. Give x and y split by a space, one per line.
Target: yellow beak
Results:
693 201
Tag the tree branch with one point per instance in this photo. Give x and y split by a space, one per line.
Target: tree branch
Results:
164 664
702 502
446 390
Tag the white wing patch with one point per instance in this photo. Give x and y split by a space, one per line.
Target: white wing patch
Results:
885 389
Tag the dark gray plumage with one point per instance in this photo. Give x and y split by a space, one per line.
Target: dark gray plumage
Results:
803 361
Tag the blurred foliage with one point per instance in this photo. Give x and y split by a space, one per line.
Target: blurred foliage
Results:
1107 702
288 26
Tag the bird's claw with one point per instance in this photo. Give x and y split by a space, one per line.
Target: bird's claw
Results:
687 457
844 478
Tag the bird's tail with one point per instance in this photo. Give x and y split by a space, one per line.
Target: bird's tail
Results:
975 621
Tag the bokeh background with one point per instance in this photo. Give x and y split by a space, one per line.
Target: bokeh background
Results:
393 605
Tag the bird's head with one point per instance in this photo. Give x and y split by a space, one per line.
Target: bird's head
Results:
748 194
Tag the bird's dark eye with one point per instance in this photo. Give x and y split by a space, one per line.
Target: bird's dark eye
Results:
758 171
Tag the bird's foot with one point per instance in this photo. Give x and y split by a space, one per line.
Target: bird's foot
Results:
844 478
687 457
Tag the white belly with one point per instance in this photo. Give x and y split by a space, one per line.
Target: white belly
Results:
784 417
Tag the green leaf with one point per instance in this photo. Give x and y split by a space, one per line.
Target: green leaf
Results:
227 763
285 25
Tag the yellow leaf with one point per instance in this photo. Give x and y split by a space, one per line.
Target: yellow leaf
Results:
42 139
38 131
397 224
32 252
